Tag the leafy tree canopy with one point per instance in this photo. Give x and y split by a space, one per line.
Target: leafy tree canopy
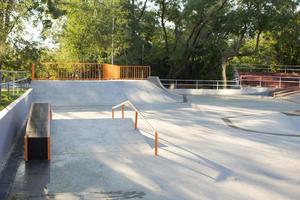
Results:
178 38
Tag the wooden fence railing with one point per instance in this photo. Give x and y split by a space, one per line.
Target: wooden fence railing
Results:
88 71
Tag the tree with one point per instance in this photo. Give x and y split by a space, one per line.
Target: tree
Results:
87 32
13 17
180 38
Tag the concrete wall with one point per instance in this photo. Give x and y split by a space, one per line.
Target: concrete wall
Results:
12 118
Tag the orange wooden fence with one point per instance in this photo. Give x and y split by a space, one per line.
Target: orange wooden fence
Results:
88 71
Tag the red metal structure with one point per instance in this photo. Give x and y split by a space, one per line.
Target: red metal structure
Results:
275 80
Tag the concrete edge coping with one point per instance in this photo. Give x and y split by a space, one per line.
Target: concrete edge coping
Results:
14 103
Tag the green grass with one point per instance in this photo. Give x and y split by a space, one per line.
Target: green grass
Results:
6 100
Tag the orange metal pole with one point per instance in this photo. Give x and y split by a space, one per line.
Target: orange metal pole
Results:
156 143
136 120
123 111
25 149
32 72
49 147
112 113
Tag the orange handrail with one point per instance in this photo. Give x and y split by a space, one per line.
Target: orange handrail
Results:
137 113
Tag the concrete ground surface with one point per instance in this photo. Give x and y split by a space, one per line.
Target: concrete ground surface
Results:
212 147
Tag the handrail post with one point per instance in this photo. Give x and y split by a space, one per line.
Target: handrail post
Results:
279 82
112 113
13 84
136 120
156 144
240 82
122 111
136 113
32 71
260 82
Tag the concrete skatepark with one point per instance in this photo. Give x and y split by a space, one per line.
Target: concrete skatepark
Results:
210 147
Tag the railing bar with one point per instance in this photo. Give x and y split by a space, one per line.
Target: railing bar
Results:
134 108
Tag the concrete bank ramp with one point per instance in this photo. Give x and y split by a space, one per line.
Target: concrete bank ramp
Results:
286 123
295 98
78 93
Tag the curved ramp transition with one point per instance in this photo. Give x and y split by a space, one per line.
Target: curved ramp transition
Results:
77 93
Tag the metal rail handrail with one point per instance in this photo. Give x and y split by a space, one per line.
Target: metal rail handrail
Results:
137 112
88 71
238 83
15 72
191 80
9 79
14 81
251 67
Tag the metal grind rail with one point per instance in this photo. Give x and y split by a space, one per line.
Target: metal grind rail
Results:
137 113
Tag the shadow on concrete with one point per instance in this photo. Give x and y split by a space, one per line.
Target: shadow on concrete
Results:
8 173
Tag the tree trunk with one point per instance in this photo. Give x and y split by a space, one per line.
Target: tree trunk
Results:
171 71
224 75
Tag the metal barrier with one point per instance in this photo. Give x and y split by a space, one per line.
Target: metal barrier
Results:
135 72
199 84
12 83
270 81
66 71
137 113
88 71
243 67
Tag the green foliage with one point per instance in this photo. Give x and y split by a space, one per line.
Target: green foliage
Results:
15 51
178 38
88 31
7 99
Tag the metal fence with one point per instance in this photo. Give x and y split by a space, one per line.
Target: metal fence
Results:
12 83
88 71
200 84
273 82
270 81
266 68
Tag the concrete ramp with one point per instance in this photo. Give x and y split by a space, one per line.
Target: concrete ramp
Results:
78 93
295 98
